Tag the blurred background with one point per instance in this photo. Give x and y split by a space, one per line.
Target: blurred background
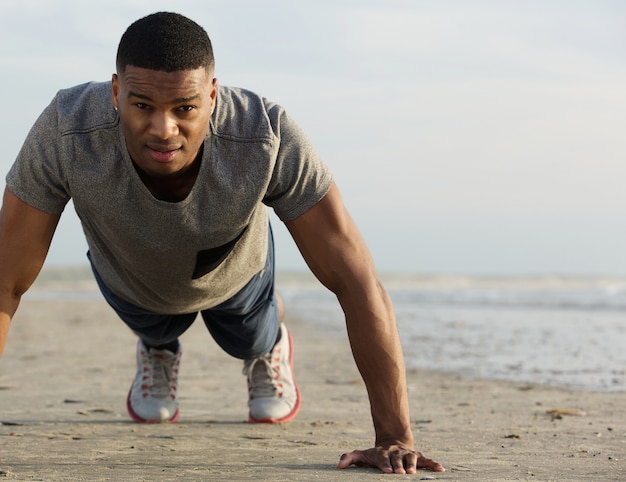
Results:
482 137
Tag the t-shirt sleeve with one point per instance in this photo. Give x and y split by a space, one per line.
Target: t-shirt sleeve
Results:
37 176
300 178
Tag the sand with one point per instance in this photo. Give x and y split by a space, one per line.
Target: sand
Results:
68 365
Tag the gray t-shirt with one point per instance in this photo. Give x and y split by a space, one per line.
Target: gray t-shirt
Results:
167 257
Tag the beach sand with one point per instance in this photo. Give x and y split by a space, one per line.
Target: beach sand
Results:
68 365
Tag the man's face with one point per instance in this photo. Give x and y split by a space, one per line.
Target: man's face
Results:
164 116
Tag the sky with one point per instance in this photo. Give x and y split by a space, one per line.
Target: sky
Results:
483 137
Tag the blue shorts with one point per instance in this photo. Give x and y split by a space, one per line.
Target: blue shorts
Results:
244 326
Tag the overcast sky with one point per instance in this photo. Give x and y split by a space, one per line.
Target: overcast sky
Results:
480 137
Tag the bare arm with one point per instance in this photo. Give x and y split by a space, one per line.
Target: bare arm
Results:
25 236
338 256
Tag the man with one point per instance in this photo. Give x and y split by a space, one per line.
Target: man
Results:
170 175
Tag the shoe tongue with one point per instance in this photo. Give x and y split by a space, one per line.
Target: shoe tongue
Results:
160 374
262 380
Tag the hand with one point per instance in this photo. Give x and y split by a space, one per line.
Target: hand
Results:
391 459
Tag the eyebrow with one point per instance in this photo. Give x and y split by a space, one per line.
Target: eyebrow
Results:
180 100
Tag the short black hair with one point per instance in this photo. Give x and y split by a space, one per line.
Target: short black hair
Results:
167 42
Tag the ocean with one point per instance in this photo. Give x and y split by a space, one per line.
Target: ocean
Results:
560 331
554 330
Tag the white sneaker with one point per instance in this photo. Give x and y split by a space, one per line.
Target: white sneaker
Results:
274 395
152 396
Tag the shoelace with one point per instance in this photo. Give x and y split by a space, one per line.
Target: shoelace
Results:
262 376
160 373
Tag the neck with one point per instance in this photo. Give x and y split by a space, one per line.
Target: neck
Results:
172 188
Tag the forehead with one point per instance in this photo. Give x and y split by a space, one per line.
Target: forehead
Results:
165 86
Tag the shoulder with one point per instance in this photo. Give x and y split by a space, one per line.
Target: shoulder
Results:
241 113
84 107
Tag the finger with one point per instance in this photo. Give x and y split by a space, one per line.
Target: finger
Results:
424 463
397 462
410 463
355 457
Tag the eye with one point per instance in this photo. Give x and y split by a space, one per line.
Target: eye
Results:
141 105
186 108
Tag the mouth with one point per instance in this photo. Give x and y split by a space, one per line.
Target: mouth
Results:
163 153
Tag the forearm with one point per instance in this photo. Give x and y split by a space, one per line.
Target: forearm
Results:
11 290
5 322
8 306
377 351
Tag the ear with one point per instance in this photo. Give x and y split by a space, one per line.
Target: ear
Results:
213 93
115 90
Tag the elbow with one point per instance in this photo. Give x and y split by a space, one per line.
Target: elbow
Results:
10 297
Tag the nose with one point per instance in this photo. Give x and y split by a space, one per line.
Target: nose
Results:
163 125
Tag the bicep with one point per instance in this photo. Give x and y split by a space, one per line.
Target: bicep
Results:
25 237
331 244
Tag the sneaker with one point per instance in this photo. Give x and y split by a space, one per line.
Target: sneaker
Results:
274 395
152 396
